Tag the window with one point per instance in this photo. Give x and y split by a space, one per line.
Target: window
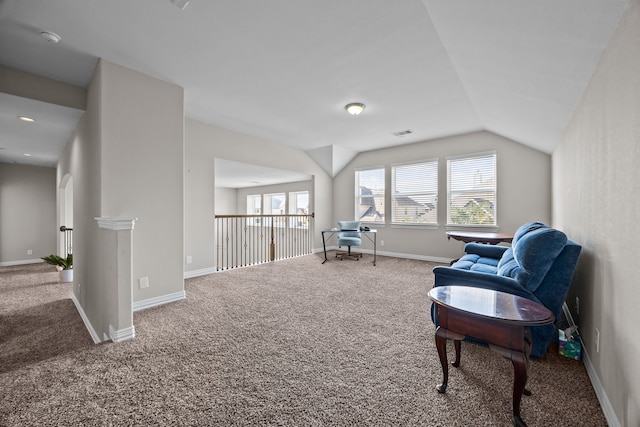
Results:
370 195
472 190
254 207
414 197
254 203
275 204
299 205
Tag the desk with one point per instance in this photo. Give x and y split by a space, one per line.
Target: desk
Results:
480 237
498 318
367 233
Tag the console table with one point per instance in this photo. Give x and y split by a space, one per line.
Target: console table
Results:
479 237
497 318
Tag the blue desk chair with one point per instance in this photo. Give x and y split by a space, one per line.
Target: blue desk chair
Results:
349 235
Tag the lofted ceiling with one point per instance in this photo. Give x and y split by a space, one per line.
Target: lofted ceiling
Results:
283 70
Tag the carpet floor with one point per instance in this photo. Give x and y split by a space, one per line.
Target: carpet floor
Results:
290 343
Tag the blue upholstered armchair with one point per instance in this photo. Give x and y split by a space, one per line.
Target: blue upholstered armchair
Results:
539 266
348 236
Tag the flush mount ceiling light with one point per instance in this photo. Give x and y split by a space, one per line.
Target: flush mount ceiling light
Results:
26 119
355 108
50 37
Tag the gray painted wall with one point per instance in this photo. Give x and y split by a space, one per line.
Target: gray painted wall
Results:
203 144
130 166
595 200
524 185
28 218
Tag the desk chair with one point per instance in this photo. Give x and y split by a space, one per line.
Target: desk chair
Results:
349 235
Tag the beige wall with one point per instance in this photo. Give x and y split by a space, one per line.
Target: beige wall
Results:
142 172
596 184
203 144
28 219
126 160
524 185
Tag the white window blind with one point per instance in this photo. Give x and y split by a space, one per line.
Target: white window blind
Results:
471 182
370 193
414 196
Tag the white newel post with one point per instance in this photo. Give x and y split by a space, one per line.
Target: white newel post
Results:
122 327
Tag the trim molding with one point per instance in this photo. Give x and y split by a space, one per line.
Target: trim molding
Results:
156 301
601 394
116 224
94 336
122 334
198 273
20 262
390 254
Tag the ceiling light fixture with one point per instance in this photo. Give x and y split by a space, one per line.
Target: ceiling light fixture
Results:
26 119
355 108
27 154
50 37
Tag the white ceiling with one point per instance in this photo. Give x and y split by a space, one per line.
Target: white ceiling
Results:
284 69
232 174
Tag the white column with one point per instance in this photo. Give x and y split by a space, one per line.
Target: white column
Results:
121 320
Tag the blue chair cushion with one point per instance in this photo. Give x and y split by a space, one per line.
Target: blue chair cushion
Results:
529 260
349 234
349 241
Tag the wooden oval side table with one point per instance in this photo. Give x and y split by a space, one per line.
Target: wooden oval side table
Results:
500 319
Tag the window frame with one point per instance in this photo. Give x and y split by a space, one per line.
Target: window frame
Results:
358 195
431 192
493 189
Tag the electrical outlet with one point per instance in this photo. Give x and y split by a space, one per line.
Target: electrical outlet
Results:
143 282
189 259
597 341
381 242
577 305
29 252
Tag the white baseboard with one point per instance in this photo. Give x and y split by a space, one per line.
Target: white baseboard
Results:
164 299
20 262
601 394
94 336
201 272
121 334
391 254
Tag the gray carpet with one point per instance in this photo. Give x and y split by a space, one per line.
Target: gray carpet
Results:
291 343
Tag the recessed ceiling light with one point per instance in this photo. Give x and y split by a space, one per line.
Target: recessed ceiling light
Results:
27 154
26 119
50 37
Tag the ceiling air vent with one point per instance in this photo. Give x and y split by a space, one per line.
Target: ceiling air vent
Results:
402 133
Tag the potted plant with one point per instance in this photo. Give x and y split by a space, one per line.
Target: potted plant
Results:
63 265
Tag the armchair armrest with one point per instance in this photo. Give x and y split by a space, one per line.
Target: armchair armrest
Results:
447 276
488 251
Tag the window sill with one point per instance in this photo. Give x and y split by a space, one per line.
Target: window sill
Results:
416 226
470 227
